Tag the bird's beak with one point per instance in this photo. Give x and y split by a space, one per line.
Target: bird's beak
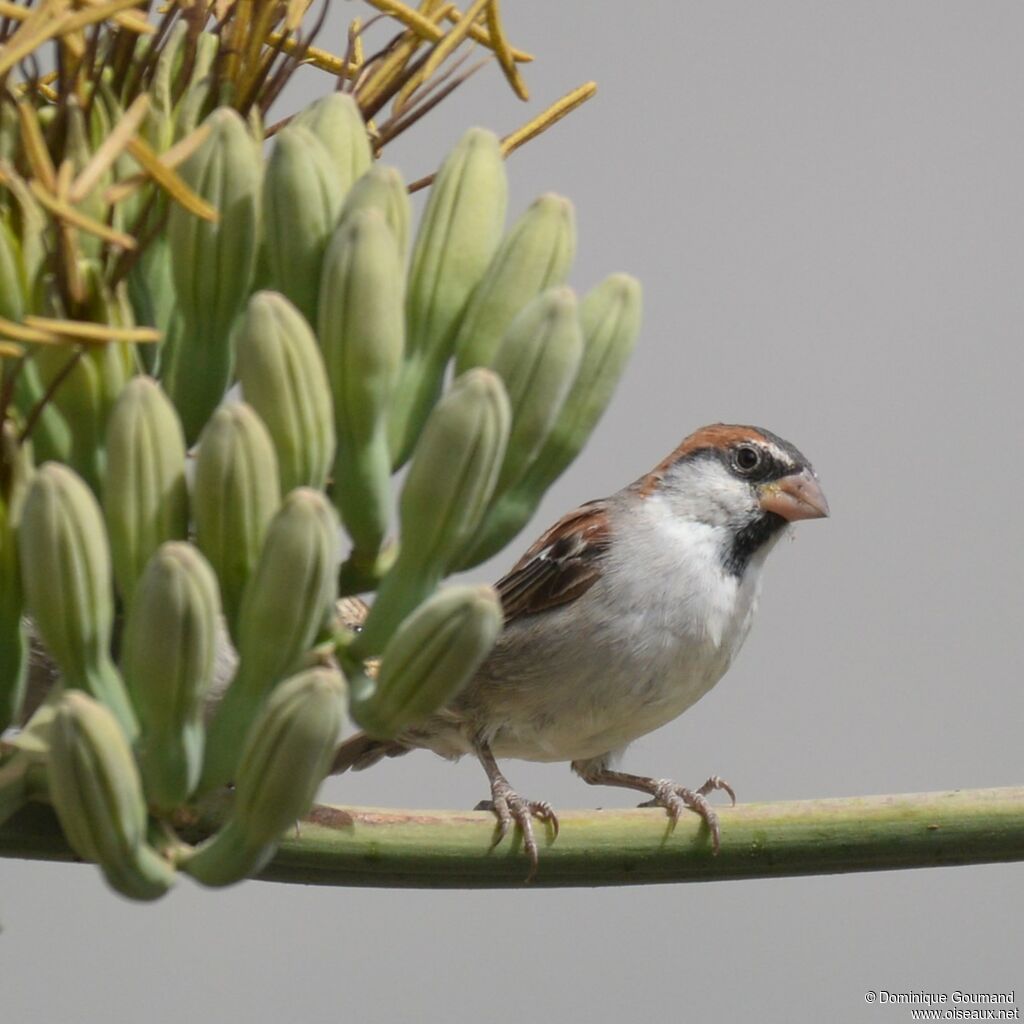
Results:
797 496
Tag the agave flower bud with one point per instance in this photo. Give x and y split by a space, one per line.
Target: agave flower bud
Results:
78 150
286 755
106 110
13 280
610 320
95 789
151 290
145 499
450 482
213 265
33 221
168 659
103 113
362 337
283 379
382 188
284 605
87 394
51 436
17 464
535 255
65 566
459 232
430 658
84 400
336 121
194 99
158 127
302 195
235 494
537 362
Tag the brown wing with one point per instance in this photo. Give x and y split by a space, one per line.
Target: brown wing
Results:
561 565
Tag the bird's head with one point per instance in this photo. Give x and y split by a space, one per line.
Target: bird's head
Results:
745 481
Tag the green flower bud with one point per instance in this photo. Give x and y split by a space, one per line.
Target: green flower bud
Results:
302 195
382 188
534 256
447 490
610 319
17 466
78 149
285 603
168 659
96 793
13 280
32 220
283 379
145 499
537 362
51 437
151 289
362 337
65 566
213 265
336 121
458 235
194 99
287 753
430 658
84 400
158 127
236 492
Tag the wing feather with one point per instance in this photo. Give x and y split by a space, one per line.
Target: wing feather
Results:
560 566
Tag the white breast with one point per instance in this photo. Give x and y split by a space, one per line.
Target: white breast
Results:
632 653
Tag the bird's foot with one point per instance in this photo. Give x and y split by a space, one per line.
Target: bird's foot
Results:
675 799
509 807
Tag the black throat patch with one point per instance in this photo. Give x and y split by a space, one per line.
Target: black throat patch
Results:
749 540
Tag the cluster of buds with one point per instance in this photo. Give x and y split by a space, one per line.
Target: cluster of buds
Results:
203 438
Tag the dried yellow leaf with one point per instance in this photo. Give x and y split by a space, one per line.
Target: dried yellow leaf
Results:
173 184
75 218
110 149
86 331
568 103
503 52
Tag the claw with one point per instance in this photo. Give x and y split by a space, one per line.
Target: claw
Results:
716 782
543 811
500 809
508 807
675 799
665 793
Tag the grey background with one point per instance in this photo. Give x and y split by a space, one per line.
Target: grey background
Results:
824 202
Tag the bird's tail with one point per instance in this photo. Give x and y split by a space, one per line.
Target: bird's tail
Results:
361 751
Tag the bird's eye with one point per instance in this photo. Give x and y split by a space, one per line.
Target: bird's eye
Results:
747 458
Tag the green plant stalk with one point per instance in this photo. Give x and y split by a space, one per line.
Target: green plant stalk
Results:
452 849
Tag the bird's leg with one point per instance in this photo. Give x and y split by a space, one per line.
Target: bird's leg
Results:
665 793
509 807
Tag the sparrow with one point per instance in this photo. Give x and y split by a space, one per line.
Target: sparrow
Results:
619 618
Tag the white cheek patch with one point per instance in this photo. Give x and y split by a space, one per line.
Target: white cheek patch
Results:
705 491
